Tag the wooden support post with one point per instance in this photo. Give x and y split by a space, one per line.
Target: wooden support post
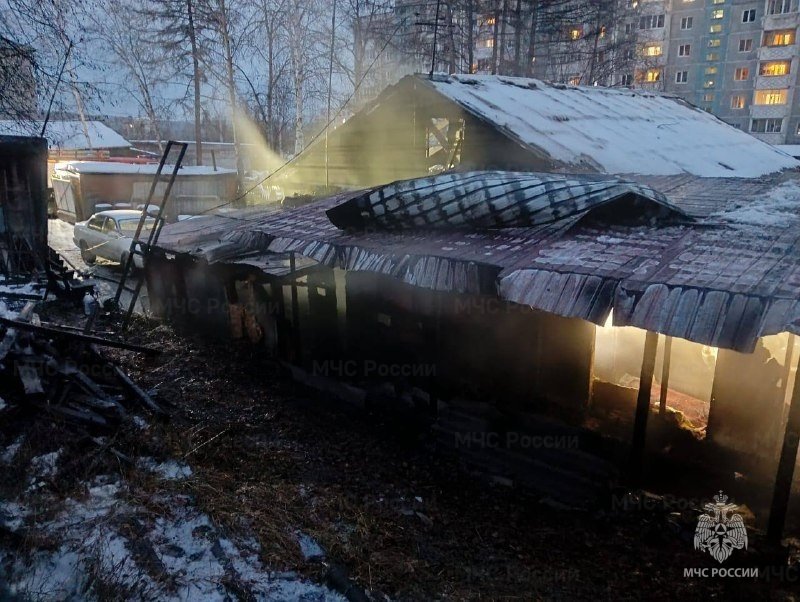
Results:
662 401
295 310
783 479
643 405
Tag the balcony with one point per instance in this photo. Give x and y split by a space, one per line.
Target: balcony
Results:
782 21
767 82
766 111
772 53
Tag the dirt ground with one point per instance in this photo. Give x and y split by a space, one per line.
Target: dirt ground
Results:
405 522
269 457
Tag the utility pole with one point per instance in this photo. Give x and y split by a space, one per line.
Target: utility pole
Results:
435 35
330 85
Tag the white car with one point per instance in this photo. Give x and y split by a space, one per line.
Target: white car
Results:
108 234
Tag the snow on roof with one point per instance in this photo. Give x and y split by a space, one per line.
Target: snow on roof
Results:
150 169
614 130
789 149
67 135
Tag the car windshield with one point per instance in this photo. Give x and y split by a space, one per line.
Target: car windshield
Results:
127 227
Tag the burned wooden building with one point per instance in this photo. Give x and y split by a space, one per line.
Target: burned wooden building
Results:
666 286
23 204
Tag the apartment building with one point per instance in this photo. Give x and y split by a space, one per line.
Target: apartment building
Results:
737 59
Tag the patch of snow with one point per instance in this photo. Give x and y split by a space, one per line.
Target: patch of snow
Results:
309 547
143 169
45 465
140 423
171 470
3 404
29 288
196 561
12 515
779 208
9 453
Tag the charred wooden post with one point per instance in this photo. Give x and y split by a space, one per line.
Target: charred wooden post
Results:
662 401
783 479
643 405
296 351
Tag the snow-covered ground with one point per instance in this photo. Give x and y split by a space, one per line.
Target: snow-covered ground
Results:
110 540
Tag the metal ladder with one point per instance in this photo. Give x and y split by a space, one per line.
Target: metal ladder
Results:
138 247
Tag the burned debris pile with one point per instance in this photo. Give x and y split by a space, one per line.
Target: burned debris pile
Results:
63 372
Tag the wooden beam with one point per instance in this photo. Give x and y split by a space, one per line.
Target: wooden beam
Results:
662 401
783 479
643 405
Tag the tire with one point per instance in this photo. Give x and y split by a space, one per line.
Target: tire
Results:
87 256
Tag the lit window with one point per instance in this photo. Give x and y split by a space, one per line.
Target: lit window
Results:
772 68
749 16
779 7
711 70
650 76
766 126
603 31
681 77
490 20
716 28
737 102
653 50
490 43
746 45
714 43
717 14
686 22
770 97
782 37
741 74
575 80
709 83
717 1
712 56
708 97
684 50
575 33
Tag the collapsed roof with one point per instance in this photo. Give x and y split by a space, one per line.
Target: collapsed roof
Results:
725 280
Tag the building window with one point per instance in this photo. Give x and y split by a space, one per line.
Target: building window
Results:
651 22
779 37
652 75
746 45
779 7
626 80
686 22
714 43
716 28
681 77
766 126
773 68
653 50
741 74
576 33
717 14
749 16
490 43
574 80
717 1
709 83
711 70
770 97
685 50
712 56
708 97
737 102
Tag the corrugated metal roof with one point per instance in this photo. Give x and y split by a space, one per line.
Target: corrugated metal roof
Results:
724 281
